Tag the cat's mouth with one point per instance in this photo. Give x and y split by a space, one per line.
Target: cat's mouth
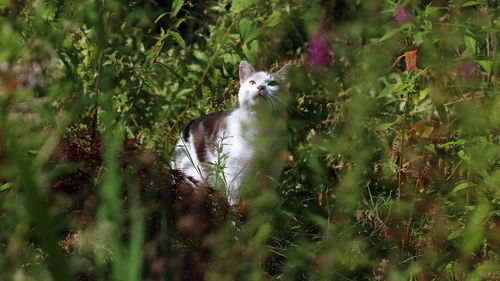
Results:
259 95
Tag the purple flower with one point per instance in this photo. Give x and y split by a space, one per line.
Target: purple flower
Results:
318 51
401 15
468 70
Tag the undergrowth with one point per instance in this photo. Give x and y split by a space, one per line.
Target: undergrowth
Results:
392 161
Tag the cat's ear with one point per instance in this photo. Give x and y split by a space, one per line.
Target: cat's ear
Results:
246 70
284 72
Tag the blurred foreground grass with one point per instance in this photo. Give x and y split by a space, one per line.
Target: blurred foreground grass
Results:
391 169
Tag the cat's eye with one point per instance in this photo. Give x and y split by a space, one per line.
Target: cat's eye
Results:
273 83
252 82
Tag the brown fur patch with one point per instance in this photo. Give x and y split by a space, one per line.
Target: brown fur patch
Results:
205 131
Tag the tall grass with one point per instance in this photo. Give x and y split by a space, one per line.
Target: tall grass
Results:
391 170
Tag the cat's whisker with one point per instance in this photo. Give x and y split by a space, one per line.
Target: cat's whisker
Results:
270 104
273 104
291 107
286 104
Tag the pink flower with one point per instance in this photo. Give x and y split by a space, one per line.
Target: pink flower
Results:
468 70
401 15
319 53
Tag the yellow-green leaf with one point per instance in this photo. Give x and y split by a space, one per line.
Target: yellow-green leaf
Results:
178 38
461 186
176 7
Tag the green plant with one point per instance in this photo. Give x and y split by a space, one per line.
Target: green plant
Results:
392 161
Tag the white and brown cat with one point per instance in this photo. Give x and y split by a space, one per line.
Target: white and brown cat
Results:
225 145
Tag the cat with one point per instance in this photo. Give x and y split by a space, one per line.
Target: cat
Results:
219 148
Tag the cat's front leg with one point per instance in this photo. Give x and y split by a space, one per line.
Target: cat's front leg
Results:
234 174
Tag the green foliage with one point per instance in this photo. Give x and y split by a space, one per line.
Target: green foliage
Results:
391 171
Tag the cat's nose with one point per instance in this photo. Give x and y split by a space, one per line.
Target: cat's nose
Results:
261 87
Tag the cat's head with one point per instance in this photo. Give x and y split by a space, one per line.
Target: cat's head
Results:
259 87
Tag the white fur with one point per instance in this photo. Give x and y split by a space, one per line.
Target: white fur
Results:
240 134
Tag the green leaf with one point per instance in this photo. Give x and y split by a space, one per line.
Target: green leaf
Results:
274 19
177 37
247 30
461 186
423 94
195 67
262 235
202 56
150 53
389 89
176 7
251 51
393 32
474 231
418 38
457 142
470 43
184 92
6 186
385 126
470 208
485 64
240 5
455 234
431 148
160 17
230 58
463 156
470 3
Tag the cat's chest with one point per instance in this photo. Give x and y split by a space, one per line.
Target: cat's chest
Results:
239 137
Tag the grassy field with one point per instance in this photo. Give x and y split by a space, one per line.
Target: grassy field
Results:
392 166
